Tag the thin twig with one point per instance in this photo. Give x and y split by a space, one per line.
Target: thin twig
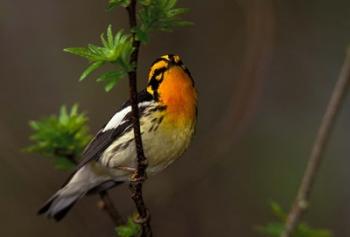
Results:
105 203
302 199
140 174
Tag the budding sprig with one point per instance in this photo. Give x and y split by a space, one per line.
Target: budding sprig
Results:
275 228
61 137
116 49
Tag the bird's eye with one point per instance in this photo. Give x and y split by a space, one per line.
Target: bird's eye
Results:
158 77
158 73
156 67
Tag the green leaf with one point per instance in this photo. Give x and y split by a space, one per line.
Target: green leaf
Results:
115 3
304 230
145 2
103 41
92 67
34 125
272 229
129 230
275 228
60 137
169 3
110 41
177 11
278 211
110 79
141 35
63 116
113 48
116 49
63 163
180 23
159 15
74 110
96 51
82 52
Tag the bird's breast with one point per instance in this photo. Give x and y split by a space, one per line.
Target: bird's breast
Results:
178 94
167 143
164 139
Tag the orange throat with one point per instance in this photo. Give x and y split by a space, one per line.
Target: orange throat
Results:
179 95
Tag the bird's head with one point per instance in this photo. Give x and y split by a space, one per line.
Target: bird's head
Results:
168 73
170 82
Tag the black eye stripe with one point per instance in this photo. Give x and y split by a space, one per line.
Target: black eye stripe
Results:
154 83
157 75
158 71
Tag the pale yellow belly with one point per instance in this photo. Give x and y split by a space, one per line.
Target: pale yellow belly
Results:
166 145
161 146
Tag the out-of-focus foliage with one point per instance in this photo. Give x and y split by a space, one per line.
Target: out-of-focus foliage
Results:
117 49
130 229
274 229
162 15
61 137
115 3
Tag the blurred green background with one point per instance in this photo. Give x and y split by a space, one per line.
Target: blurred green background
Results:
264 71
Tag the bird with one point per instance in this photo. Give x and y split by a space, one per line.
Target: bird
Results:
168 117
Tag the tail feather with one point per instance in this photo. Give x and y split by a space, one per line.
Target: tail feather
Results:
84 181
57 207
60 203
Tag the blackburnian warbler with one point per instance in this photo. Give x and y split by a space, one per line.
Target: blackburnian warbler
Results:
168 114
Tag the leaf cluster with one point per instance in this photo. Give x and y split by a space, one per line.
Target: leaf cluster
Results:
152 15
130 229
275 229
116 3
61 137
158 15
115 48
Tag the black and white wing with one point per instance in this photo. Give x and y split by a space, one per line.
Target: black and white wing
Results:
119 124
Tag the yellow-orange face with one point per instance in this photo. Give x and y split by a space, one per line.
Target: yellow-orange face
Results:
170 83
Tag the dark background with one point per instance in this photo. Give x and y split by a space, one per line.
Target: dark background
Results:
264 71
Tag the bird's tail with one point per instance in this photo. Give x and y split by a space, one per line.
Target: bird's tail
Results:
84 181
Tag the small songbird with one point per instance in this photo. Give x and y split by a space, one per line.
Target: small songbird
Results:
168 115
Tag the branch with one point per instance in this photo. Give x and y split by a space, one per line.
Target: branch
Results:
105 203
140 174
302 199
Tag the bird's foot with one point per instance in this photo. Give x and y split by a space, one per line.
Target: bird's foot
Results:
142 220
136 178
